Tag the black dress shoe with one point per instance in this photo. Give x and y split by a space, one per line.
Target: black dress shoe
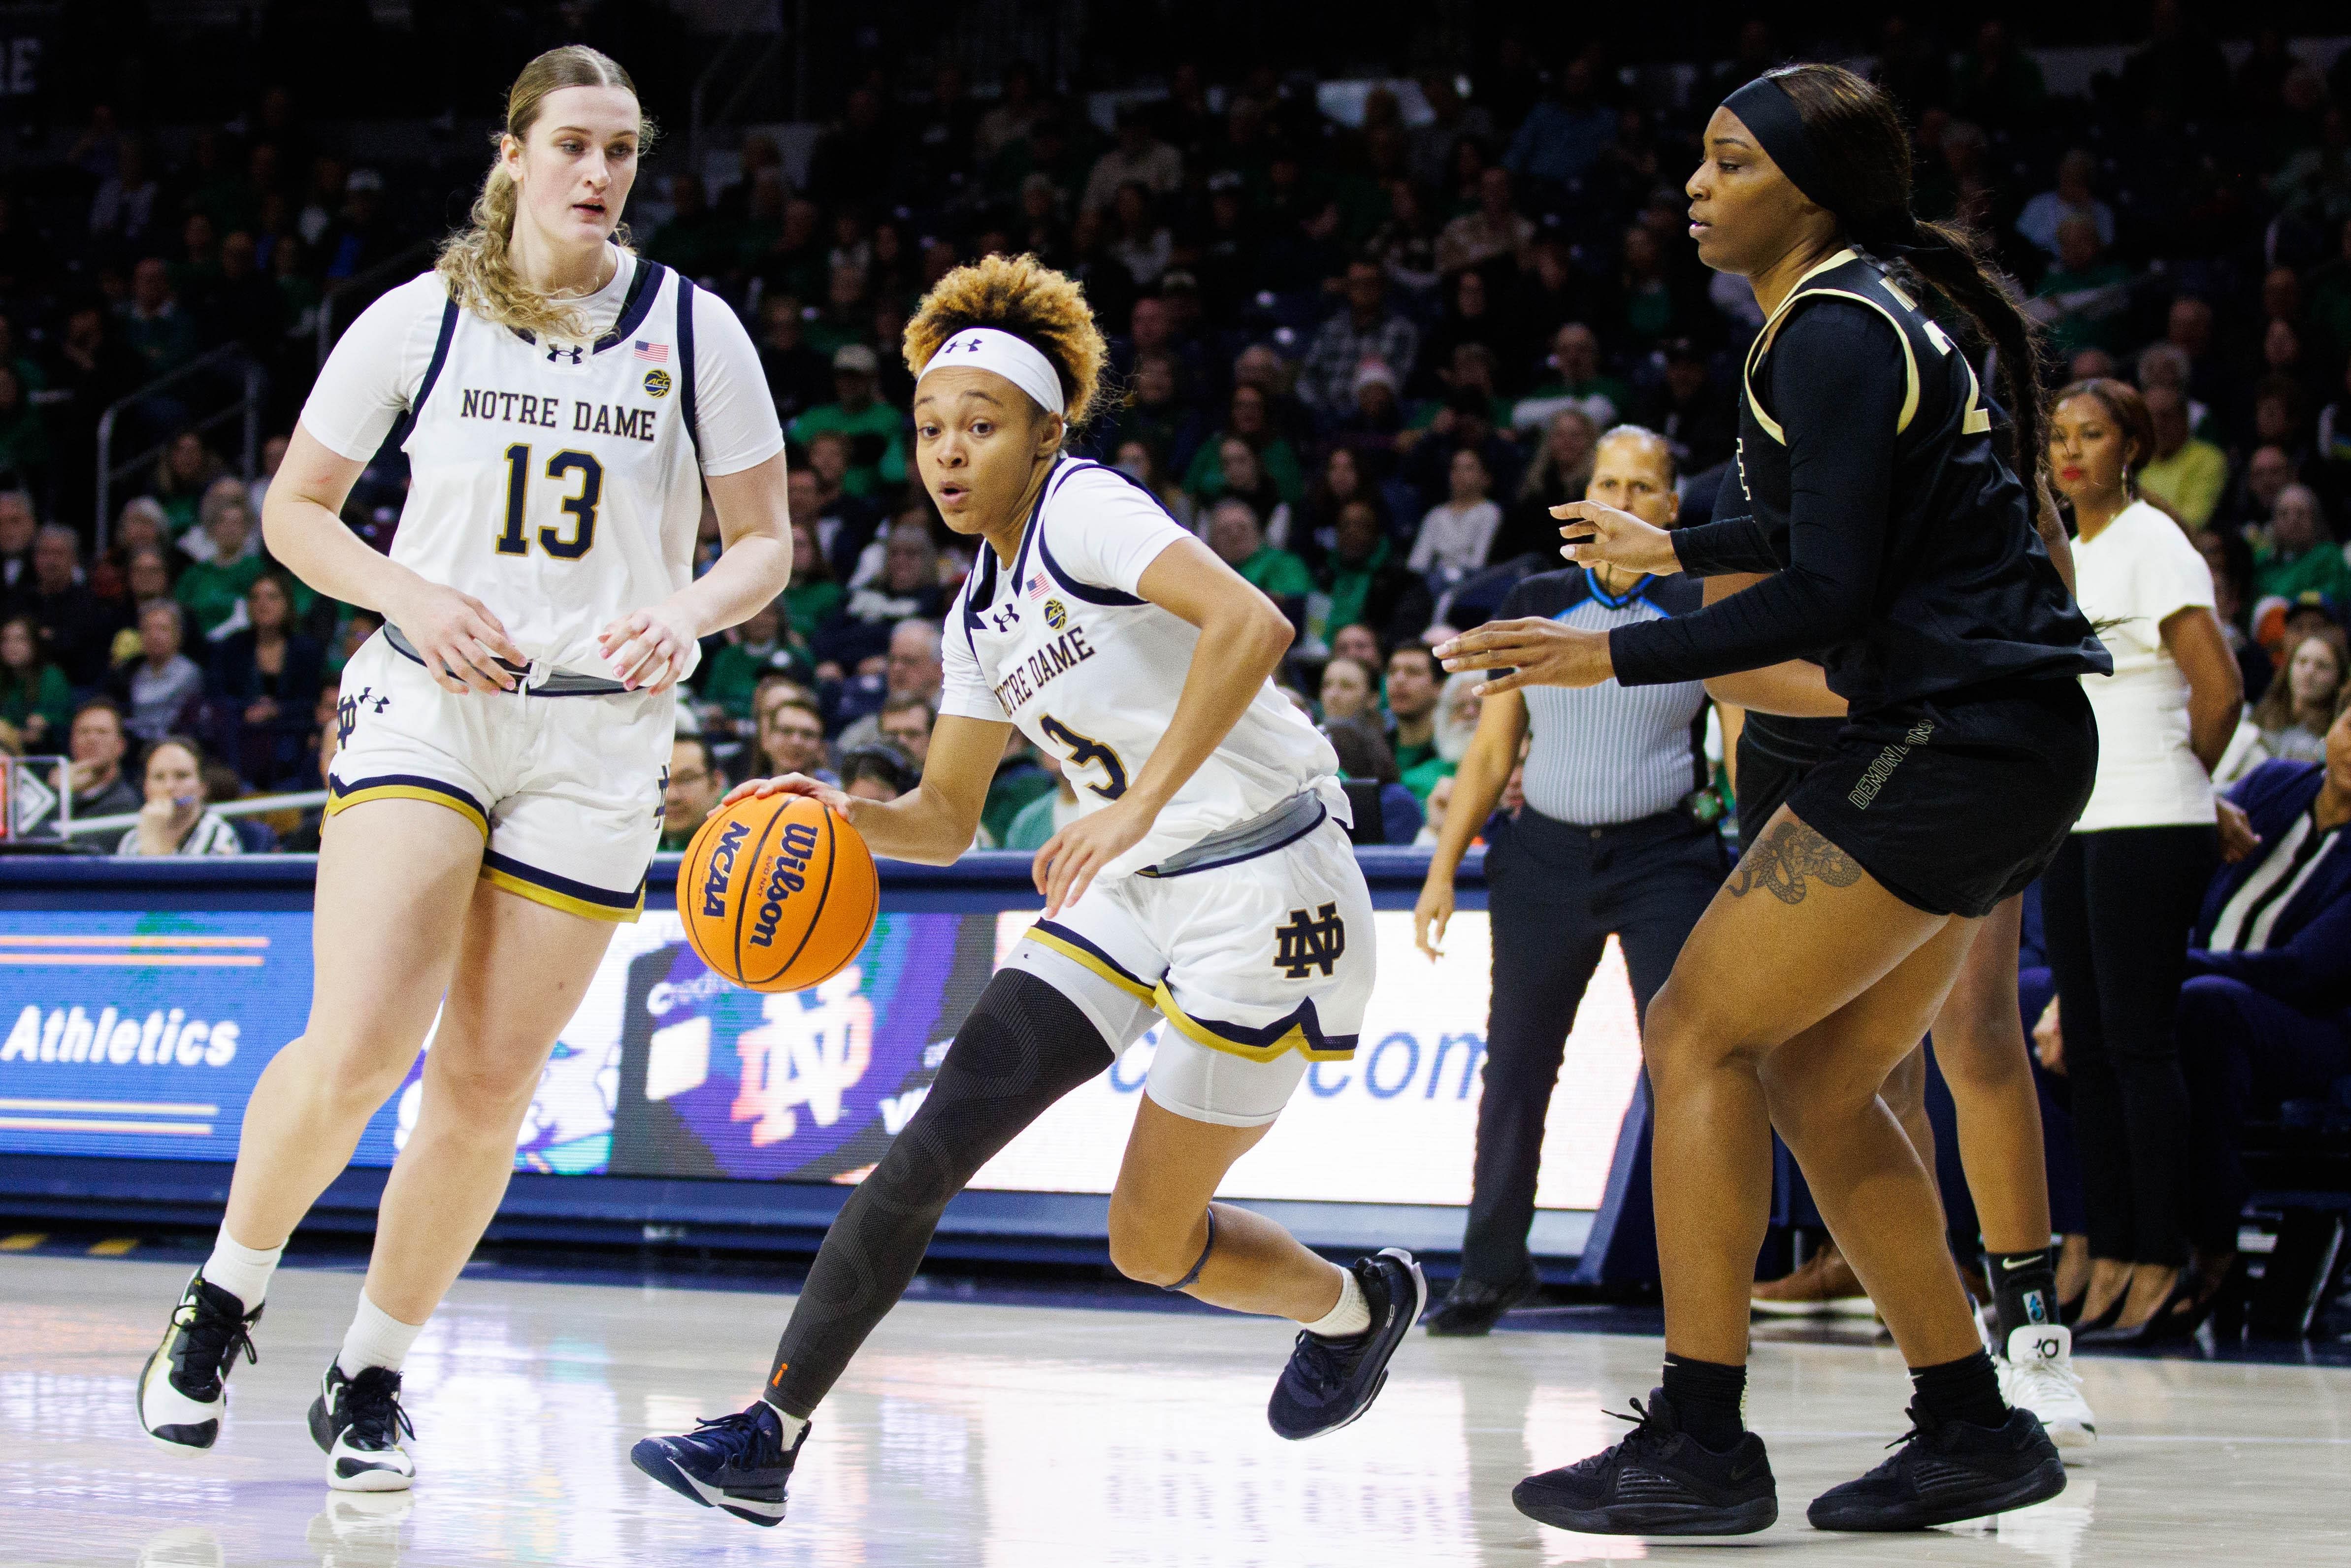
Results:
1472 1306
2183 1312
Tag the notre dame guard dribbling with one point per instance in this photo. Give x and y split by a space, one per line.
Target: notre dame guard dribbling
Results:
1208 883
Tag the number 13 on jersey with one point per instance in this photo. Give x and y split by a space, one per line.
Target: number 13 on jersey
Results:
582 506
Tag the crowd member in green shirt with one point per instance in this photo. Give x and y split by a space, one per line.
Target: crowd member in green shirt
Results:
34 698
1360 576
210 591
758 648
1235 534
2082 297
876 433
1251 422
2186 475
811 596
2298 557
1579 382
1413 684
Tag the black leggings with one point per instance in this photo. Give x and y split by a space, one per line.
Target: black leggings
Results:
2116 909
1024 1046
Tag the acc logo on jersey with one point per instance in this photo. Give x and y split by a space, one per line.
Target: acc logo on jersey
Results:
657 384
1057 614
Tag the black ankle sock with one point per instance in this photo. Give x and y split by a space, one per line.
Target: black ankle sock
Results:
1966 1390
2024 1287
1706 1397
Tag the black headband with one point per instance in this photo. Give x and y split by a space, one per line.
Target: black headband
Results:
1765 107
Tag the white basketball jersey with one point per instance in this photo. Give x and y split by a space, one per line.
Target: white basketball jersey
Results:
1062 644
558 483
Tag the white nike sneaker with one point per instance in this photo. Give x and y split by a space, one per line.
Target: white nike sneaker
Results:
2037 1375
183 1392
359 1422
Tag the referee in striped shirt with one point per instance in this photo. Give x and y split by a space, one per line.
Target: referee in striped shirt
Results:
1616 839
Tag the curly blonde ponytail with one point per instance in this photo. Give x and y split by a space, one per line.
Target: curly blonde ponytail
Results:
477 263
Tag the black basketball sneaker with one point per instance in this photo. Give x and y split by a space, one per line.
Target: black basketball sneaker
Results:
183 1392
359 1422
1331 1382
737 1462
1659 1480
1945 1471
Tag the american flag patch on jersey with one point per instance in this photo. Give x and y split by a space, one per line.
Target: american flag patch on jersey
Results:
658 353
1036 585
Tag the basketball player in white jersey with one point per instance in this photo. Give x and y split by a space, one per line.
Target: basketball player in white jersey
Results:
497 792
1210 883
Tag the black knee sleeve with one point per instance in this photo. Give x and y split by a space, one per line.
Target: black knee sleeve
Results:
1023 1047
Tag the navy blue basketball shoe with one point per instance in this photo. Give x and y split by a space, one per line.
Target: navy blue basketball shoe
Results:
737 1462
1659 1480
1331 1382
1946 1471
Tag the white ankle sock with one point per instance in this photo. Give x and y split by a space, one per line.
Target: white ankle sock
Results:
243 1272
376 1339
1353 1315
793 1425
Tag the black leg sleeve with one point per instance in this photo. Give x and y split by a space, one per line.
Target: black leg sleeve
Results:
1024 1046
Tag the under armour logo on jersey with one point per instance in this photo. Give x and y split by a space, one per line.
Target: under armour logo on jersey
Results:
1006 619
1306 944
555 352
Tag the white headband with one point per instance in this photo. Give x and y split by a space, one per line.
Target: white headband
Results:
986 349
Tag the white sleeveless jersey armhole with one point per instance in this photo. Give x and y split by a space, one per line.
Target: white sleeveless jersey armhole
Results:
559 482
1059 643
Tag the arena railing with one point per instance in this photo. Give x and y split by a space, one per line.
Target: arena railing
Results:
229 360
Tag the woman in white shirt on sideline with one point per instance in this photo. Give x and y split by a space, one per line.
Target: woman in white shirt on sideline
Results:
174 820
1456 535
2119 899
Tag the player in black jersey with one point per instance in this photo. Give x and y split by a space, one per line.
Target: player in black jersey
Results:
1901 554
1787 721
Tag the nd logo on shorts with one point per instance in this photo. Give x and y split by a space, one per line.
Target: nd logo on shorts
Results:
347 712
1309 943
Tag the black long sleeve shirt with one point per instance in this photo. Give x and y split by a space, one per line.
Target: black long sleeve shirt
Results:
1900 548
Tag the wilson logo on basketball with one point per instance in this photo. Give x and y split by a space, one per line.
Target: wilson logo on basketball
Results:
722 866
784 880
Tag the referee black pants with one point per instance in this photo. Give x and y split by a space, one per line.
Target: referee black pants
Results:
1556 893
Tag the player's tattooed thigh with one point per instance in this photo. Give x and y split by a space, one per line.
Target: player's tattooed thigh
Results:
1787 859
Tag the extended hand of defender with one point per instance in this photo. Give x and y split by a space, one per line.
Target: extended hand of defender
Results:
1065 867
1602 535
1535 651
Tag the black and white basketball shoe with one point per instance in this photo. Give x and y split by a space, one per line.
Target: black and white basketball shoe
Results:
183 1392
1945 1471
737 1462
1331 1382
359 1422
1659 1480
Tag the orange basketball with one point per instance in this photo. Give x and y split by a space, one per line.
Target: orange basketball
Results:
778 892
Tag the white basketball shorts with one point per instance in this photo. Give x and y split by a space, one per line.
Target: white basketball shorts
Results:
566 791
1259 967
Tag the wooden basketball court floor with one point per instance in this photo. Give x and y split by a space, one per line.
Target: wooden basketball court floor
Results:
976 1434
